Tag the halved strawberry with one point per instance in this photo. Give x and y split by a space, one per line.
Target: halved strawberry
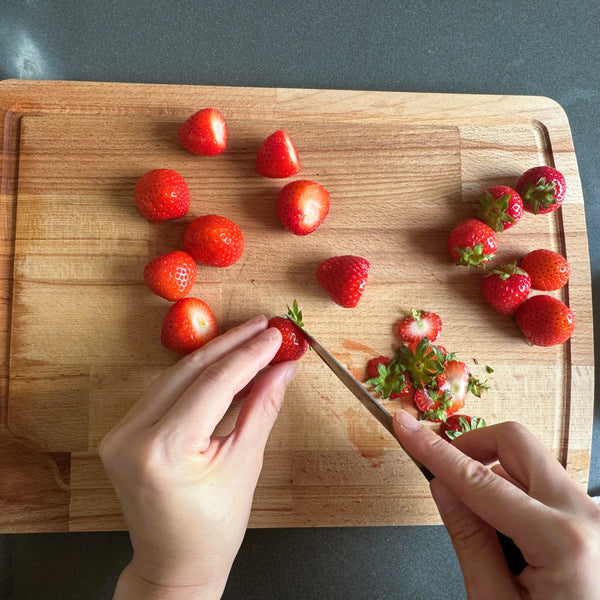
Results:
277 156
171 275
302 206
472 243
293 344
456 425
344 278
500 207
419 325
188 325
205 132
162 194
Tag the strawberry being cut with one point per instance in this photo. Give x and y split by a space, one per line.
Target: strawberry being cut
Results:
472 243
171 275
188 325
344 278
162 194
213 240
506 288
205 132
277 156
419 325
548 270
500 207
293 343
542 189
302 206
545 320
456 425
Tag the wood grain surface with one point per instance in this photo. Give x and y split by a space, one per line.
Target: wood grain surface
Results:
81 332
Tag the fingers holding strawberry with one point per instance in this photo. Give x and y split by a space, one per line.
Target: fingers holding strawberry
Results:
293 343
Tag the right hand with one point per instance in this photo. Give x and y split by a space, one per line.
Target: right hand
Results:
527 495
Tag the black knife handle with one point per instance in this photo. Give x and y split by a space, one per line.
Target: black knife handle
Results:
512 553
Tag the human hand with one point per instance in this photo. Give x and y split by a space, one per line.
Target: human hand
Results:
527 496
186 494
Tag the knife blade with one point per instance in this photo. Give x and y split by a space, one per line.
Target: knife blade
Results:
512 553
368 401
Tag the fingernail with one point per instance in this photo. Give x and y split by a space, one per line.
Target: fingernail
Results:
407 421
292 368
256 319
271 334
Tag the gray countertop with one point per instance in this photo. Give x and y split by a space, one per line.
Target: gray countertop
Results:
545 48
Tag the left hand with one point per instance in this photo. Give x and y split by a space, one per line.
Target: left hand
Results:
186 495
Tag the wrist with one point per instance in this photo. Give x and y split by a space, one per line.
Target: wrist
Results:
134 586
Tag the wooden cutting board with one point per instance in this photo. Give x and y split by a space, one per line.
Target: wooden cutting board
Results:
81 330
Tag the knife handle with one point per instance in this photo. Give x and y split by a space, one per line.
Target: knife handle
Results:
512 553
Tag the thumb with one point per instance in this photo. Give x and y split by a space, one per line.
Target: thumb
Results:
476 544
262 405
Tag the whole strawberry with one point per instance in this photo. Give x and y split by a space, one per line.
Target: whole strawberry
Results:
542 189
188 325
171 275
277 156
419 325
213 240
293 343
162 194
205 132
548 270
344 278
506 288
545 321
302 206
500 207
472 243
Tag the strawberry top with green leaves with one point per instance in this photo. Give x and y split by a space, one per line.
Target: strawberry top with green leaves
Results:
472 243
205 132
456 425
548 270
162 194
277 156
293 343
188 325
373 365
506 288
171 275
419 325
213 240
545 320
422 361
542 189
391 381
500 207
302 206
344 278
436 405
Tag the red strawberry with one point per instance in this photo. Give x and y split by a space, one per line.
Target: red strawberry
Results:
293 344
455 380
171 275
213 240
436 405
456 425
373 364
548 269
506 288
205 132
277 156
188 325
542 189
545 321
302 206
344 278
421 324
161 195
390 380
500 207
472 242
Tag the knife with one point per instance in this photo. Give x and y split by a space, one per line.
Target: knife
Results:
514 557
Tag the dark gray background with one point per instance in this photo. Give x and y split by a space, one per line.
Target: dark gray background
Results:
547 48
